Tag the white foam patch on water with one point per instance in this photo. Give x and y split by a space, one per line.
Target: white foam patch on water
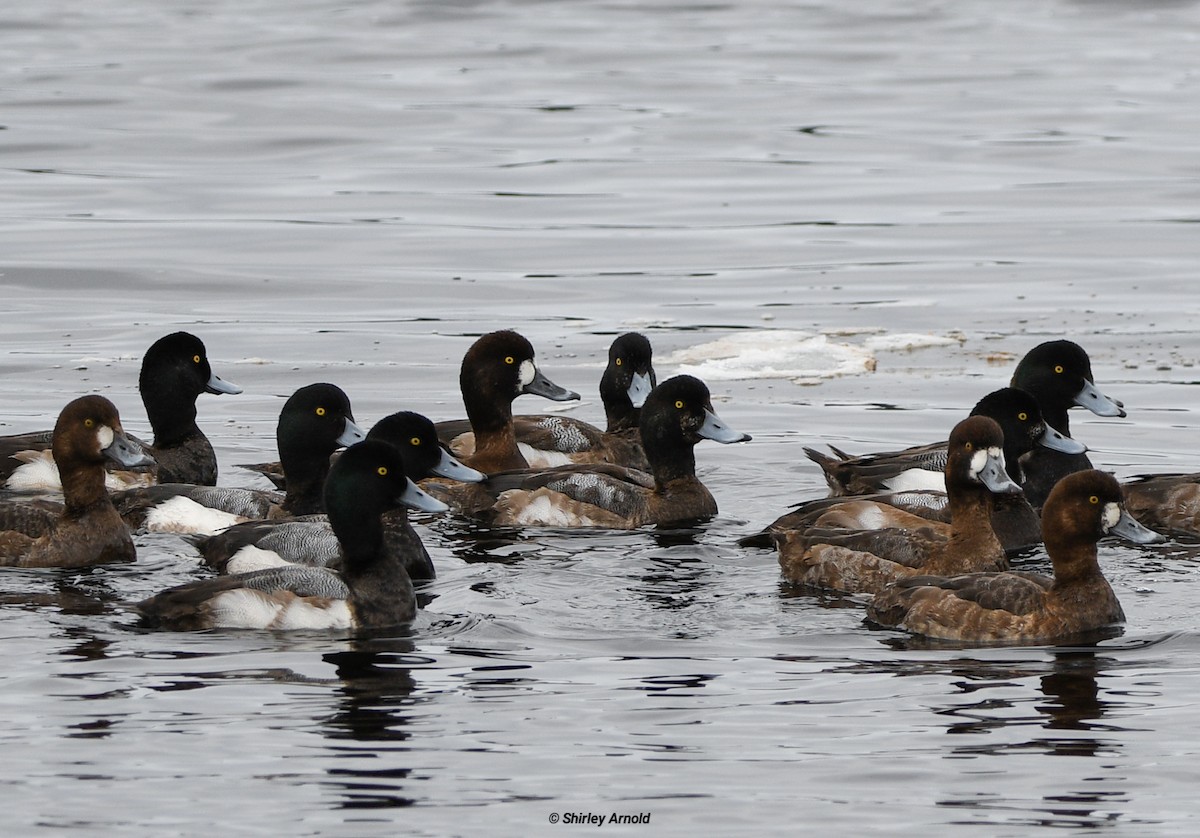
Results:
904 342
773 354
184 515
800 356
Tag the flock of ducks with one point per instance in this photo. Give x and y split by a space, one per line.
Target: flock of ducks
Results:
926 533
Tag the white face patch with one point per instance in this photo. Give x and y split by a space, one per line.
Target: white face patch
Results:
526 373
978 461
1112 514
104 435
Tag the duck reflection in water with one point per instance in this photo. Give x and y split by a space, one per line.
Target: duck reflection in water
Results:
375 709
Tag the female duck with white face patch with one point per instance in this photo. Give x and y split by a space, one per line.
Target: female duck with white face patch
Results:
496 369
552 440
1009 608
677 415
825 555
88 531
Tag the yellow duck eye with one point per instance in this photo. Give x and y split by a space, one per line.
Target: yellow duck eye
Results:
1022 416
510 360
618 362
416 440
87 423
1093 499
381 471
320 411
1058 368
679 405
969 447
195 359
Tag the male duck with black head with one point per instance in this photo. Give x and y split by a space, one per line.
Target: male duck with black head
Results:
1022 608
864 561
257 544
1058 374
496 369
371 591
315 421
676 416
551 440
88 531
175 371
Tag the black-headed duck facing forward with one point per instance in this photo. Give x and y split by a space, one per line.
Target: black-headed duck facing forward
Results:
911 475
89 530
864 561
1058 374
677 414
258 544
175 371
496 369
371 591
551 440
1015 608
315 421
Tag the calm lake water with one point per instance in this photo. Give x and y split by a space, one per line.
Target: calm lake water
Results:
351 191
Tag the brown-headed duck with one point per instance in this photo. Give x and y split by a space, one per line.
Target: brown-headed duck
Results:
910 475
827 555
88 530
496 369
552 440
315 421
372 589
677 414
1022 608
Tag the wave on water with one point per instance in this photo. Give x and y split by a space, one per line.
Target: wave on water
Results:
798 356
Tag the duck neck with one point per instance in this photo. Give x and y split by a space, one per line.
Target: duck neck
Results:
495 440
971 519
305 471
671 457
1074 564
83 487
171 409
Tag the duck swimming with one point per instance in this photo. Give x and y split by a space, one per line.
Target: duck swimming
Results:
371 591
256 544
315 421
88 529
550 440
496 369
826 555
677 415
174 372
1021 608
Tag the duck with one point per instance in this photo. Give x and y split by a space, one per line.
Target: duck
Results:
174 372
86 529
551 440
315 421
1014 608
905 479
677 415
1058 374
496 369
1166 502
923 466
371 591
827 555
256 544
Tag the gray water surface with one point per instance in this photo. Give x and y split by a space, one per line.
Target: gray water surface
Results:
350 192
